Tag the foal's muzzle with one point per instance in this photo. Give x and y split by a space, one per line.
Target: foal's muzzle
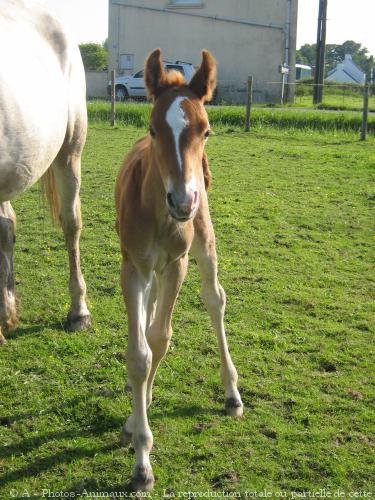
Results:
182 205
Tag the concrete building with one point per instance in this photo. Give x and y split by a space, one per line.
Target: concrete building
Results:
247 37
347 72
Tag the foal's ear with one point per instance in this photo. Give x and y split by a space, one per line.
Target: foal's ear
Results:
154 73
203 82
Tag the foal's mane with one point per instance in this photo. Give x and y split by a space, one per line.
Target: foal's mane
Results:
173 78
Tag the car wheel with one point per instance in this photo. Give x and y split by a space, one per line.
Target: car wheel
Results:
121 93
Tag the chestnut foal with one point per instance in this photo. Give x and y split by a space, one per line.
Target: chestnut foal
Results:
162 214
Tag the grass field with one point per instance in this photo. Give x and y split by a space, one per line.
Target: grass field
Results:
337 101
292 216
344 97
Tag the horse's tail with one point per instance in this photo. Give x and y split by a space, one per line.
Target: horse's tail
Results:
49 190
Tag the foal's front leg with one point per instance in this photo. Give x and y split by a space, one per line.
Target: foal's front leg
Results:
135 286
159 331
213 295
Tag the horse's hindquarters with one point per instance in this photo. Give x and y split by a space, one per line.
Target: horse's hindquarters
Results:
34 103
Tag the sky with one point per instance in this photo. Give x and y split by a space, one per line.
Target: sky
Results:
346 20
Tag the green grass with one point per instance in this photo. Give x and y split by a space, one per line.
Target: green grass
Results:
293 224
138 114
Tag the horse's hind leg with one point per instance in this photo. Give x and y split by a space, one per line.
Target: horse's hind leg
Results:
67 172
8 317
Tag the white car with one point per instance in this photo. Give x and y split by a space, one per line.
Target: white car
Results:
133 86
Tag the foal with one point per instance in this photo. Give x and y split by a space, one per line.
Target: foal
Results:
162 214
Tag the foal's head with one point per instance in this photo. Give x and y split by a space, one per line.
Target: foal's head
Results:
179 129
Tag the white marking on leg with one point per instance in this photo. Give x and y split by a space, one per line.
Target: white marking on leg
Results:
177 120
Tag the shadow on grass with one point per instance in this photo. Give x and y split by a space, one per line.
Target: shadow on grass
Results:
31 444
95 426
98 489
36 330
185 411
40 465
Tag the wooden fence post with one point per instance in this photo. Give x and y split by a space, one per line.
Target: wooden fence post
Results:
249 101
365 111
113 99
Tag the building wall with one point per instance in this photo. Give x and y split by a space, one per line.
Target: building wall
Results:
227 28
96 83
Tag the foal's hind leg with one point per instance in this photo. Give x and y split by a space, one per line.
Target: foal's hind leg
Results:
213 295
8 316
67 171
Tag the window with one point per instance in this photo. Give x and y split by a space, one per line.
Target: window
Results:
184 3
139 74
126 61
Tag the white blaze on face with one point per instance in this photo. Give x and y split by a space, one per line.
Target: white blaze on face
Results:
177 120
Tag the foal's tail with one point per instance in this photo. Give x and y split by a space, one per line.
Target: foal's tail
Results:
49 190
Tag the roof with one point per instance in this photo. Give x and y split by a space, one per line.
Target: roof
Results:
346 72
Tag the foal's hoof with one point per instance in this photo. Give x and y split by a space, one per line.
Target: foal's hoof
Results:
77 323
2 339
143 478
125 437
234 407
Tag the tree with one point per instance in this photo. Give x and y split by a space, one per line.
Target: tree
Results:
94 56
306 54
300 58
335 54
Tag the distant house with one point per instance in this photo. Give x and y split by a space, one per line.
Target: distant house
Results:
303 71
346 72
247 37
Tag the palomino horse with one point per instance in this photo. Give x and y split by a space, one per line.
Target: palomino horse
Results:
42 123
162 214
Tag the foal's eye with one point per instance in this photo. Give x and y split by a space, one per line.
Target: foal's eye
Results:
207 133
152 131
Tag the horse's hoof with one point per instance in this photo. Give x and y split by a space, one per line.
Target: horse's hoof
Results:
78 323
10 324
234 407
3 340
125 437
143 478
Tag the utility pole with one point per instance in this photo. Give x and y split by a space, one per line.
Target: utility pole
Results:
320 52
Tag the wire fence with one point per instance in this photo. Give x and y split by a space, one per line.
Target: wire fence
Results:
300 93
296 111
